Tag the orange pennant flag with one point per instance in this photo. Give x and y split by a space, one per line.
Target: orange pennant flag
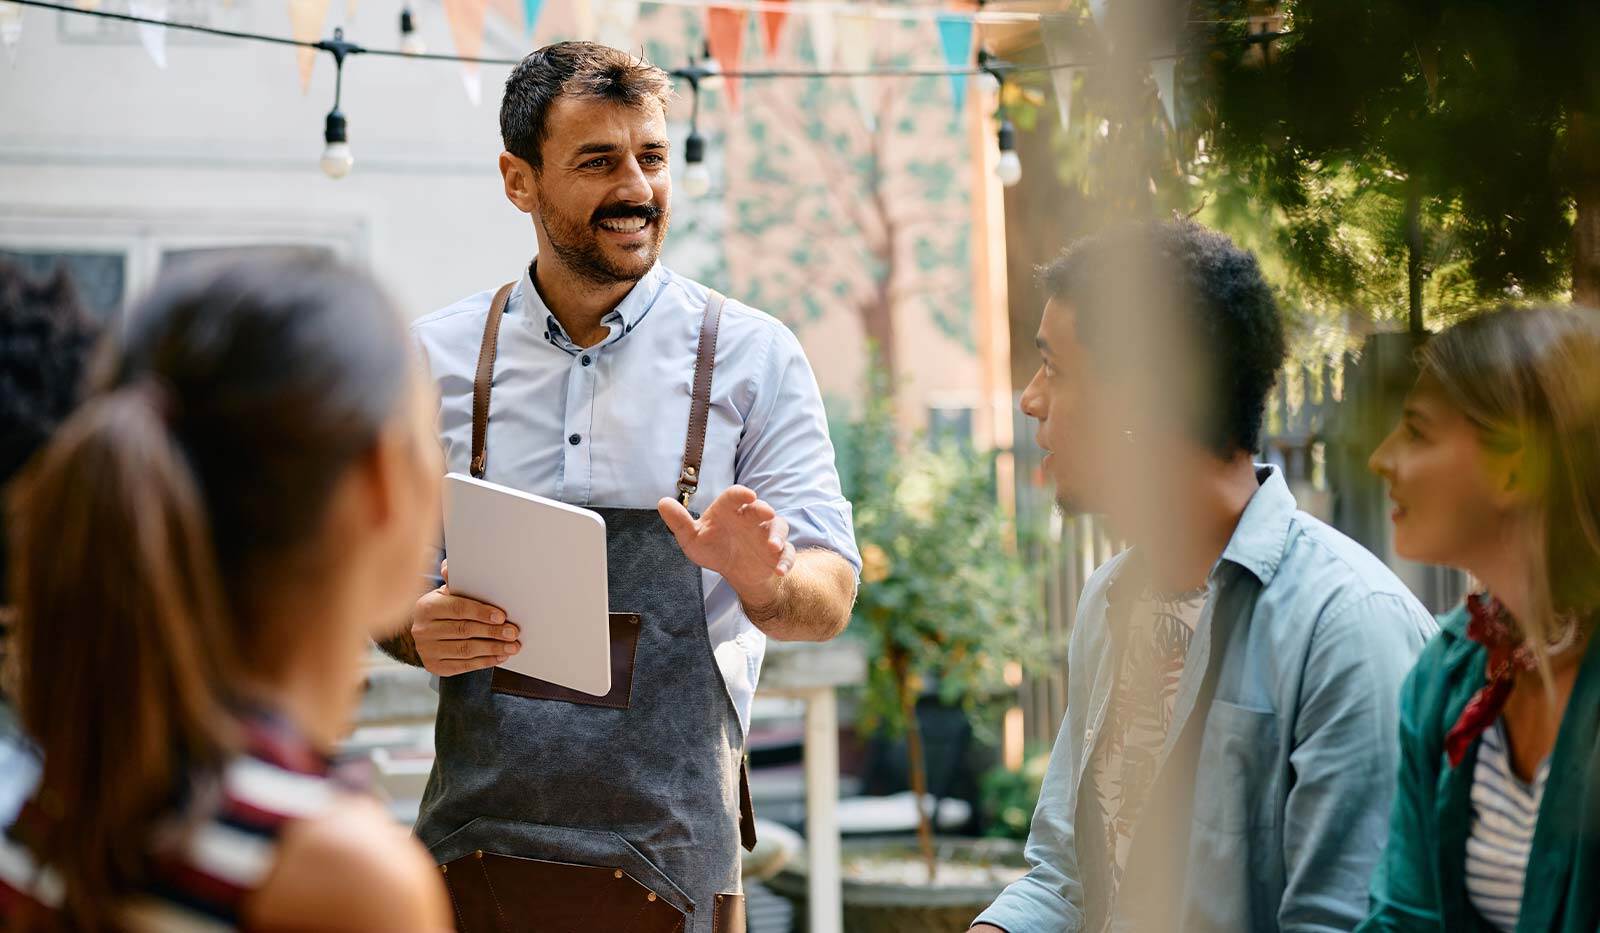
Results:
510 11
305 20
467 19
725 33
772 27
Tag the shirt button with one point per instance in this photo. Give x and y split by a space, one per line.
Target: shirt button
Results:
586 361
575 440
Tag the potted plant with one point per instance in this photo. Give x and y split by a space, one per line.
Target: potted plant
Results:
946 606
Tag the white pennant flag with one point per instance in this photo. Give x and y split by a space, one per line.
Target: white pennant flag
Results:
855 54
1062 79
10 29
1163 69
1059 51
822 38
614 21
1097 9
154 38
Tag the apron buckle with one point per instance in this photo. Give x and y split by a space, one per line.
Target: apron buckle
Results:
688 482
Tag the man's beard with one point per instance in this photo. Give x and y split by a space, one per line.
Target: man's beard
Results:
577 246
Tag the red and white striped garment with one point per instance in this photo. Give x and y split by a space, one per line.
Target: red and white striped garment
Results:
199 882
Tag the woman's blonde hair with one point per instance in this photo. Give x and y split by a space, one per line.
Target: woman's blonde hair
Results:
1529 380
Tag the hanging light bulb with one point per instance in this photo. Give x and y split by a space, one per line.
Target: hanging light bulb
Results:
696 177
336 156
410 42
1009 168
988 79
711 72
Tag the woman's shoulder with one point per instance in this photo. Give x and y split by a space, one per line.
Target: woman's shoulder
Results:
350 867
1446 674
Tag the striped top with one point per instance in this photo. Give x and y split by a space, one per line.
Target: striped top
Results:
199 882
1504 811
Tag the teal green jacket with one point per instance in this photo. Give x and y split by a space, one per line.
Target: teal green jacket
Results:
1421 882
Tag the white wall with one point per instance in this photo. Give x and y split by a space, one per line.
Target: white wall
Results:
99 146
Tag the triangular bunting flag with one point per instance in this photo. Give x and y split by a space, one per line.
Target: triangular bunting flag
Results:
955 35
822 35
153 38
1097 9
614 22
1162 70
306 18
509 10
10 29
1059 50
466 27
530 15
856 34
1061 79
772 26
725 33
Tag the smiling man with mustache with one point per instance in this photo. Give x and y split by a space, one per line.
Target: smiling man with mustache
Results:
693 424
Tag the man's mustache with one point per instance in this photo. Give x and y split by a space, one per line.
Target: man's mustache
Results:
645 212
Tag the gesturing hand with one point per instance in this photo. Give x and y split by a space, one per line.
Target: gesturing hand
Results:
739 537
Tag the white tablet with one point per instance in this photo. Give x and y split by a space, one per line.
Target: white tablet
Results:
544 563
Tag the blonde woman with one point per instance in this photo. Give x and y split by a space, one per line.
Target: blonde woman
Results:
1495 469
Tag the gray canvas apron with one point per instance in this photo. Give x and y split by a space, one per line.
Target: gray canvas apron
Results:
553 811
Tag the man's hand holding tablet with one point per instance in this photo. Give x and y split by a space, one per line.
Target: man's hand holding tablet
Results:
455 635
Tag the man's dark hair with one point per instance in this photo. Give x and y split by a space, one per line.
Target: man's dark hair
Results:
579 70
45 341
1222 316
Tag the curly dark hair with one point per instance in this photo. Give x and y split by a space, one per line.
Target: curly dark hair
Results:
1224 318
45 340
580 70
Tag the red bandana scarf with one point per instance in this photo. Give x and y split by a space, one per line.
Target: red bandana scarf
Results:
1509 654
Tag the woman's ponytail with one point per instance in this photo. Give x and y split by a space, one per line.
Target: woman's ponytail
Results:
122 640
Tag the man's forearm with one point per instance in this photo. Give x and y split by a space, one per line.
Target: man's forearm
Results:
401 647
812 602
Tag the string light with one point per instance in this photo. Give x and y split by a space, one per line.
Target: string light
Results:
696 177
337 158
710 70
1009 167
410 42
704 72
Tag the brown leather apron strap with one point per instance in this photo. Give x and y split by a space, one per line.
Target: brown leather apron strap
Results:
705 362
747 809
484 380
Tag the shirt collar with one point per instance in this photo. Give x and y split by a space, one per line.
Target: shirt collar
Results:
1263 531
622 319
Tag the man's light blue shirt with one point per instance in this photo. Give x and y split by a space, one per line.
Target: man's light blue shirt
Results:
605 426
1271 804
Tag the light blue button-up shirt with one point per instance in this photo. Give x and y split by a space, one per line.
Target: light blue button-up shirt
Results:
1271 802
605 426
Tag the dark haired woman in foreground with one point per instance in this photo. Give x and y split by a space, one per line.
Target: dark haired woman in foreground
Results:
200 556
1495 469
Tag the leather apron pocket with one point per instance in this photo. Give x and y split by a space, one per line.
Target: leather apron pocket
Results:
609 885
505 894
729 916
624 649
